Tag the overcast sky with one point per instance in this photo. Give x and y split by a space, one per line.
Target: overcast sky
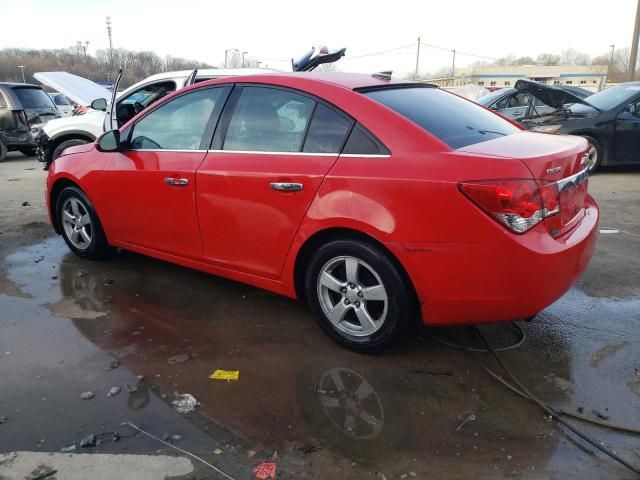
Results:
274 31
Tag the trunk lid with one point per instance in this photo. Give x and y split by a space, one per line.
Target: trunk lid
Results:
555 161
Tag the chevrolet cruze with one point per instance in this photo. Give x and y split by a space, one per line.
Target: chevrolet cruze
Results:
379 202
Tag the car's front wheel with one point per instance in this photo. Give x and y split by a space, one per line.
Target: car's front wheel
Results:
595 154
80 225
358 294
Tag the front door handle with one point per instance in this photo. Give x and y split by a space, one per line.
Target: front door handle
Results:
286 187
176 181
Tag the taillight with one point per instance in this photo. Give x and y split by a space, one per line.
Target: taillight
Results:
517 204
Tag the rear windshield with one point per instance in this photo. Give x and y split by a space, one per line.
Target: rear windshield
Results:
454 120
60 100
33 98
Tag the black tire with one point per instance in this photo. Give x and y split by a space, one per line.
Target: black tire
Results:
97 248
66 144
28 152
3 151
599 152
397 291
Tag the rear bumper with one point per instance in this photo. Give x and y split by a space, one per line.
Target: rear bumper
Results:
513 278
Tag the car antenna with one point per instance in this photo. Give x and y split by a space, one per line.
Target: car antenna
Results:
386 75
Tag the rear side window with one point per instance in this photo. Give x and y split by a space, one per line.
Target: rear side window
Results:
361 142
33 98
268 120
454 120
327 132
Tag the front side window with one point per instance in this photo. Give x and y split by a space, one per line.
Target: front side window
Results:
179 124
60 100
269 120
454 120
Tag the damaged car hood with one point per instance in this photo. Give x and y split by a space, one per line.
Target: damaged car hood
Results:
78 89
553 96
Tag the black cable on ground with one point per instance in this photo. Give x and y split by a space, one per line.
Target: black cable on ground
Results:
555 414
516 344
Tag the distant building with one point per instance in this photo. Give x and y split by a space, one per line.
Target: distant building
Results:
591 77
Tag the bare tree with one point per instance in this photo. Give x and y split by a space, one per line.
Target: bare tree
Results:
548 59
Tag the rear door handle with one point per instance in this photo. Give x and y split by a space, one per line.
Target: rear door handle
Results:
176 181
286 187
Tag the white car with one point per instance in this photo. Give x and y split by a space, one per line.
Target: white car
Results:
62 133
57 135
62 104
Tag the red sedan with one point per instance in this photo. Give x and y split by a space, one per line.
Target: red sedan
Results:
377 201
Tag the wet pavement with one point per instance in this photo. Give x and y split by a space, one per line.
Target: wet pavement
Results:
325 411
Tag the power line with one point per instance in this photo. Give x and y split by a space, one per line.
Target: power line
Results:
458 52
382 52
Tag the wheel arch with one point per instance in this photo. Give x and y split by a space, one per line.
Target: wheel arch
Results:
604 144
325 235
59 185
69 135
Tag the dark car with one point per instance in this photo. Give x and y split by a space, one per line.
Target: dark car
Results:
518 105
22 106
609 119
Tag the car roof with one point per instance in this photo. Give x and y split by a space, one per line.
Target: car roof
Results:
15 84
208 72
351 81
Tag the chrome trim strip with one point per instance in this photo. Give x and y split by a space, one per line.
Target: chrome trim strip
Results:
573 180
365 155
163 150
260 152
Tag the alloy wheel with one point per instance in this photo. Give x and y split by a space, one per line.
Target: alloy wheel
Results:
76 222
352 296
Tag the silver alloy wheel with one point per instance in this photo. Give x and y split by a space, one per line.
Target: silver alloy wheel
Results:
352 296
77 223
592 155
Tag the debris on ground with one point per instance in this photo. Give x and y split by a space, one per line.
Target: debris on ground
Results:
88 441
168 437
227 375
265 470
607 351
113 391
38 260
140 377
181 358
251 453
218 451
87 395
185 402
131 388
469 418
600 415
115 363
108 281
3 419
26 204
68 449
45 475
307 449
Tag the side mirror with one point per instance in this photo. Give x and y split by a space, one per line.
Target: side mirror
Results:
99 104
110 142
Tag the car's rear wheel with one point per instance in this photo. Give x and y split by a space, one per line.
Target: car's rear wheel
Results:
595 156
66 144
80 225
358 294
3 151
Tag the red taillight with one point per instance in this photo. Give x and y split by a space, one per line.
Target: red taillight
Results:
517 204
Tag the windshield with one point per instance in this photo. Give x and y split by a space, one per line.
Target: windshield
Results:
454 120
613 96
489 98
33 98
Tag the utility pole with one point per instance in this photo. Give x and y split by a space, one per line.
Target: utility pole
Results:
606 77
110 44
243 54
21 67
453 67
634 45
417 57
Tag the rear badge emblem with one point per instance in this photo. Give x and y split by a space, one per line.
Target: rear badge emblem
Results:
553 170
